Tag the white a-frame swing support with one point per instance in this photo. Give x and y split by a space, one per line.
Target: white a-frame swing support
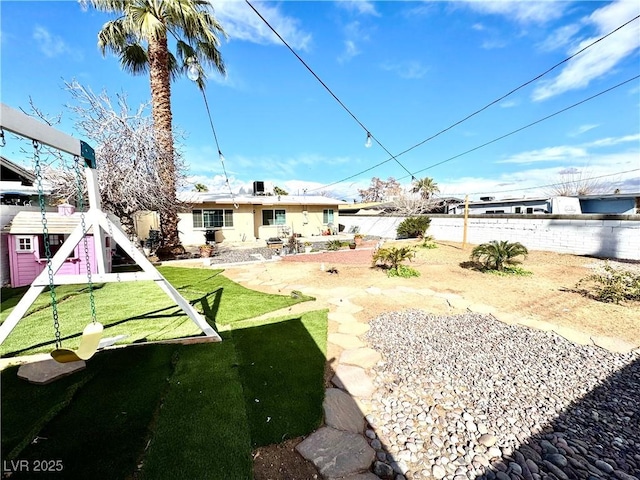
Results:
17 122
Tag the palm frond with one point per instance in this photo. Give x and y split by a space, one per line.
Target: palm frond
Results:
134 59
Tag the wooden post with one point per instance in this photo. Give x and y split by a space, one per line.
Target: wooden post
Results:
466 216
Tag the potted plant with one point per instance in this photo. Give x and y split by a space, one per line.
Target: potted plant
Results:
206 250
307 247
357 238
352 245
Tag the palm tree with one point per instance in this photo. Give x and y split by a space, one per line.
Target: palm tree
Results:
139 37
426 187
495 254
200 187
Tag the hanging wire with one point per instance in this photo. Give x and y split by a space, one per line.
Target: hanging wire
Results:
80 193
45 239
370 136
537 77
220 155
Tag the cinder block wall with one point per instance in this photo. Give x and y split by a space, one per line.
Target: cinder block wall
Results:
611 236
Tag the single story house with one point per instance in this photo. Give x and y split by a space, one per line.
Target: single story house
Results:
615 203
247 218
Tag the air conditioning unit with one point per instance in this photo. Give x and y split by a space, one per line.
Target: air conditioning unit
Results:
258 188
487 199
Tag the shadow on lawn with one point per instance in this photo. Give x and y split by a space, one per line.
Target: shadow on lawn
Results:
595 437
171 411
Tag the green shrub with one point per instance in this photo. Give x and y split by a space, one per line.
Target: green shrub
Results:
498 253
403 271
515 270
334 245
427 242
392 257
413 227
612 285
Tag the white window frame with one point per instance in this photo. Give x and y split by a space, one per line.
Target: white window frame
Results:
28 238
325 214
225 212
275 217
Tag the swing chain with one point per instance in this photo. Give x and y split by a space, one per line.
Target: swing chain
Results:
47 245
80 193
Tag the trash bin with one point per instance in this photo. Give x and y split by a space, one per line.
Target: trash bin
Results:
210 237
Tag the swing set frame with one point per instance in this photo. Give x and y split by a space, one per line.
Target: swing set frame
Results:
21 124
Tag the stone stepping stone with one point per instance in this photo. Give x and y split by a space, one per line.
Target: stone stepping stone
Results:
354 380
345 306
337 454
427 292
537 324
574 336
341 411
360 357
373 291
447 296
615 345
480 308
458 303
48 371
508 318
342 317
298 287
353 328
345 341
403 288
359 476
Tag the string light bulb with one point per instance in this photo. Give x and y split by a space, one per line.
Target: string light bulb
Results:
221 156
193 72
368 143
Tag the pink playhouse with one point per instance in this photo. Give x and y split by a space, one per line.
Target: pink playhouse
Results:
27 252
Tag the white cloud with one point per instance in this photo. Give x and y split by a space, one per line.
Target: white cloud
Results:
241 23
521 11
560 38
408 70
582 129
610 141
354 34
600 59
509 104
361 7
549 154
52 45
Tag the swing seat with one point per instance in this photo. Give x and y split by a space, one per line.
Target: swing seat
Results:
88 345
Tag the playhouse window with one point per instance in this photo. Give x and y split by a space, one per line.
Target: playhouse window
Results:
327 216
24 244
274 217
55 242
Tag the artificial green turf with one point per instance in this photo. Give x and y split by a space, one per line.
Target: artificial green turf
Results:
202 431
196 403
282 368
103 431
139 310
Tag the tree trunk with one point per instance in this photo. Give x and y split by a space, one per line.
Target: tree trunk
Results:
162 118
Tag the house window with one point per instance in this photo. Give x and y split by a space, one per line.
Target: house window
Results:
518 209
327 216
24 244
212 218
529 209
274 217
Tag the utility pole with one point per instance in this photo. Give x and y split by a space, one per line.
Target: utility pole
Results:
466 216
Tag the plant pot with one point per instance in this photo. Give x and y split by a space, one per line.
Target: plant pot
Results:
352 246
205 252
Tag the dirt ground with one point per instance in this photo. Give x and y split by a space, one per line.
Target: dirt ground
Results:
547 295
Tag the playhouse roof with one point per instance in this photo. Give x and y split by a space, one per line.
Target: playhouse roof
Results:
30 223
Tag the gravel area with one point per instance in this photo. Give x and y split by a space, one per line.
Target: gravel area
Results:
240 255
468 397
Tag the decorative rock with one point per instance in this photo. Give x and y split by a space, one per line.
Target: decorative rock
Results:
487 440
382 470
438 472
604 466
345 340
336 453
341 411
360 357
354 380
47 371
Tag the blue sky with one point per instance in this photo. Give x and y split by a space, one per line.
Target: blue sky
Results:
406 70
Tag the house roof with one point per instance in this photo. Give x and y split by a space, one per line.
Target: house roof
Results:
30 223
24 174
205 197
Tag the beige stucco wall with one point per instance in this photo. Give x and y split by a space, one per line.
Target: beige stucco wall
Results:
247 223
